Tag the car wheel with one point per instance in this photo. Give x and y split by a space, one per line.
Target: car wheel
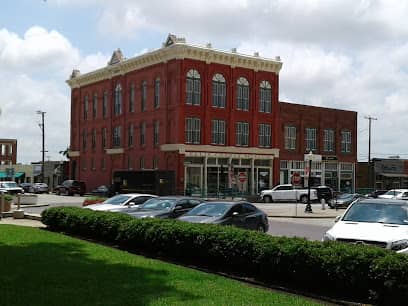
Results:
303 199
267 199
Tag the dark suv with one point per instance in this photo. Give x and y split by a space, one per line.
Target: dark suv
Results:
70 187
324 192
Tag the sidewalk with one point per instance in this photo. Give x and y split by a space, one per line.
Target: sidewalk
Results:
294 210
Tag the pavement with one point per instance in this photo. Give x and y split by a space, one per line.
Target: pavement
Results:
273 210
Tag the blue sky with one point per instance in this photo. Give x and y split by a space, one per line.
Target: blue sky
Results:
345 54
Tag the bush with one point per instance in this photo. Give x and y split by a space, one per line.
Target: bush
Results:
364 273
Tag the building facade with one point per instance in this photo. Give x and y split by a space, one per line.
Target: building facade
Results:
329 133
206 114
212 117
8 151
386 173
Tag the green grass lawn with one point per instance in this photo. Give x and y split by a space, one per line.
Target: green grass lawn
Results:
44 268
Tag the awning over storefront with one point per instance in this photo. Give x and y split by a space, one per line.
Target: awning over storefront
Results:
16 175
393 174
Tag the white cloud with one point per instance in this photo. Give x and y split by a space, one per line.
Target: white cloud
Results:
33 70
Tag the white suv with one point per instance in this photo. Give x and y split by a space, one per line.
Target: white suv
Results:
10 187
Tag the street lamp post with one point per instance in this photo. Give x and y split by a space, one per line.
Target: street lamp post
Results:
43 143
308 207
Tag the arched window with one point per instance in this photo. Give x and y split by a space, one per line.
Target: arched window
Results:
242 94
218 91
265 97
118 100
193 88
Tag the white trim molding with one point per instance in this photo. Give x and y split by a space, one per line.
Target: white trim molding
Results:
73 154
115 151
177 50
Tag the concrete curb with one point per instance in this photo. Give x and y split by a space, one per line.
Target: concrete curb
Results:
301 217
22 206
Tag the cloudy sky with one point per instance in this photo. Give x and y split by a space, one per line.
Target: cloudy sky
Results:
345 54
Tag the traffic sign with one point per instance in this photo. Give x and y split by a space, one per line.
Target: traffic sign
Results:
296 179
242 177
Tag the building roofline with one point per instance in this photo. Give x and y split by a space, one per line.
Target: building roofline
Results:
176 50
316 107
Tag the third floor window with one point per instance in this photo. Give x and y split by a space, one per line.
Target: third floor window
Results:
157 93
328 140
132 98
144 96
346 141
116 137
193 88
105 105
95 106
86 108
243 94
218 91
118 100
265 97
310 139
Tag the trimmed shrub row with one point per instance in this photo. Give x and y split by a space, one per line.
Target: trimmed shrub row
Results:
363 273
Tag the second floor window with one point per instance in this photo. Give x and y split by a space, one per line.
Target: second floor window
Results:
193 88
218 91
156 133
93 139
105 105
118 100
144 96
104 134
192 130
116 141
132 98
157 93
142 133
264 135
84 140
328 140
290 137
346 141
265 97
243 94
86 108
242 134
218 132
95 106
310 139
130 135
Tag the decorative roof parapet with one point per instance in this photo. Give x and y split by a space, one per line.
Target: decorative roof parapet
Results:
174 48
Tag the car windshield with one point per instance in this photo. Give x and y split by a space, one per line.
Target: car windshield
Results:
159 204
119 199
377 213
209 209
9 185
393 192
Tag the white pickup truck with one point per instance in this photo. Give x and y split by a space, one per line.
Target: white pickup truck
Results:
287 193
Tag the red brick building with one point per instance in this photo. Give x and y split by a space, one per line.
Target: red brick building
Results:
8 151
212 117
331 133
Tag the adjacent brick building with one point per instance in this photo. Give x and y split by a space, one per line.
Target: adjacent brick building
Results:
328 132
212 117
8 151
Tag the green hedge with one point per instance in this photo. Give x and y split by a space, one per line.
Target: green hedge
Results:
363 273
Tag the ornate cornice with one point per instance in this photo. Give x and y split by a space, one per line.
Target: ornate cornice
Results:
176 51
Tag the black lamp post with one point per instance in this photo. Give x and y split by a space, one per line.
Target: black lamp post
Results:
43 143
308 207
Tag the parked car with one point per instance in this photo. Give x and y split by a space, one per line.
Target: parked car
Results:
377 222
166 207
25 186
239 214
344 199
10 187
124 203
70 187
324 192
375 193
38 188
399 194
102 191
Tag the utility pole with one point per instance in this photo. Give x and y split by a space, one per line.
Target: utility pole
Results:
370 170
43 144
